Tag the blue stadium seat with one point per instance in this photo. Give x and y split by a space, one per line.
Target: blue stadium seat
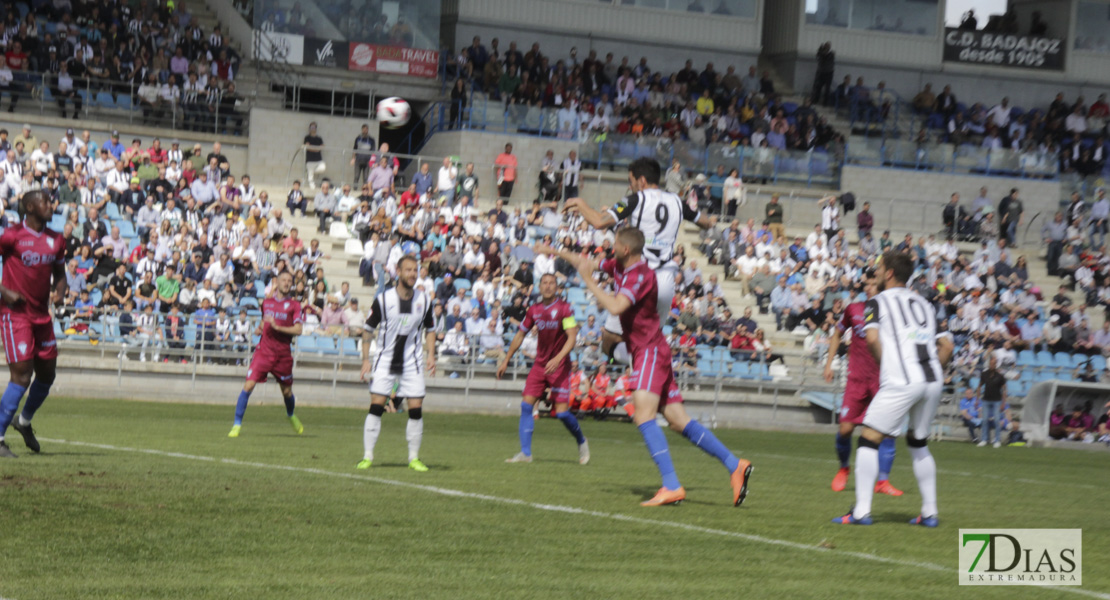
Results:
248 302
1045 359
1014 388
1098 362
1026 358
741 368
349 346
326 345
104 99
126 229
708 368
306 343
1062 359
461 283
1077 360
112 211
190 335
705 352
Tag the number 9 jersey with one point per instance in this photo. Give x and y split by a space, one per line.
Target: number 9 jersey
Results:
658 214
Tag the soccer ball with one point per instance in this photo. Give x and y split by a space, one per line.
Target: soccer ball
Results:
393 112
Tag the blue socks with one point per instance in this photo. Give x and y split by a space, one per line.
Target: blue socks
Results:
571 424
704 439
290 402
657 446
527 424
9 403
886 457
844 449
241 406
35 397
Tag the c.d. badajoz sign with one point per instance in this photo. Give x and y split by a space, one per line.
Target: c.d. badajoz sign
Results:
1003 50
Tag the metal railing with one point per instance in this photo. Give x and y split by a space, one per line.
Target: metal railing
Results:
119 101
950 158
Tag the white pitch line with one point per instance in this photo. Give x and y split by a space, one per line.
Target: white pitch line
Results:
553 508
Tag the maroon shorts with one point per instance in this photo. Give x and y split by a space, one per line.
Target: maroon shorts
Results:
857 397
538 382
265 363
652 372
25 340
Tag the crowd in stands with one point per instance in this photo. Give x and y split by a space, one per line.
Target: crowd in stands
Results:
146 55
594 95
1070 134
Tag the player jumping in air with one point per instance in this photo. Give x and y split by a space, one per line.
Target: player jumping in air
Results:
902 335
32 254
658 214
400 315
652 382
558 332
281 322
863 382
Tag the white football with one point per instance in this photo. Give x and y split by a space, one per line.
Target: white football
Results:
394 112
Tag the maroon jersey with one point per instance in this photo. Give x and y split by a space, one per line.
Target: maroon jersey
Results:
286 313
640 323
861 365
552 320
29 259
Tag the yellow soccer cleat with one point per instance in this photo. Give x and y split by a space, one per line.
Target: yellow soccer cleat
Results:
296 423
364 464
234 431
418 466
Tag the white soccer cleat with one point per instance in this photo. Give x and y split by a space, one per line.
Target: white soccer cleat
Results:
519 458
584 453
998 444
982 443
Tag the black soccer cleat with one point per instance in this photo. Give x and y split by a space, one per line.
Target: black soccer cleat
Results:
6 452
28 434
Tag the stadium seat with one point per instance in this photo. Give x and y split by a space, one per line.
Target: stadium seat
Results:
248 302
112 211
306 344
707 368
1014 388
741 368
462 284
349 346
1098 362
1045 359
1026 358
705 352
1078 360
326 346
126 229
353 247
339 231
1062 359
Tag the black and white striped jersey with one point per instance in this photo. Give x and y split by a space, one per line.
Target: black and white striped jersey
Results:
907 332
400 324
658 214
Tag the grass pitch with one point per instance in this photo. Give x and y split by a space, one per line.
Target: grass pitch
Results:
163 505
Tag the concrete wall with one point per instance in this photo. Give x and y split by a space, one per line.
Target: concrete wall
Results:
911 201
275 156
557 26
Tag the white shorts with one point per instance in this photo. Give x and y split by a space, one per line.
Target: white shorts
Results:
892 404
410 385
664 278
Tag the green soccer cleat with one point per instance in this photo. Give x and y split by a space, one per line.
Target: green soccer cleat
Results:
418 466
296 423
364 464
234 431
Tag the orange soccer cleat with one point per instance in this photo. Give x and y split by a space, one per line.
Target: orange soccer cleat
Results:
665 496
841 479
884 487
739 481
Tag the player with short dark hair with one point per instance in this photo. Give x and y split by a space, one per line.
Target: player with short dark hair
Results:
558 332
399 314
652 382
863 382
32 254
901 328
281 322
656 213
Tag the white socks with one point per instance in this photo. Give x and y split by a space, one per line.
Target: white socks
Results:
867 471
621 355
925 470
370 435
414 433
23 422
